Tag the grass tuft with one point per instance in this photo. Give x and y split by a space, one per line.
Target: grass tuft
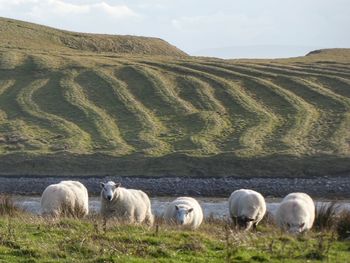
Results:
326 216
343 225
8 207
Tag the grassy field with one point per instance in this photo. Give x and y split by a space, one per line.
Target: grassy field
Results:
85 104
28 238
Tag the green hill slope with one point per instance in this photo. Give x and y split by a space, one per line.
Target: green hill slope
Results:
27 36
74 111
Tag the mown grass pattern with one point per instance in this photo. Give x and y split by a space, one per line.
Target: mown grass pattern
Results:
79 96
196 107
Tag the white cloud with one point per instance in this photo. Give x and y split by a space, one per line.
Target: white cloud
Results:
114 10
61 7
6 3
39 10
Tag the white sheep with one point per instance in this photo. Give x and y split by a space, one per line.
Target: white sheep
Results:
296 213
247 208
68 198
184 211
132 206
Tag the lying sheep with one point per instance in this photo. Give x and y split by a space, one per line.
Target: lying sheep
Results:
247 208
69 198
133 206
184 211
296 213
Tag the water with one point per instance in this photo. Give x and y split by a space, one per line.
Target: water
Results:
217 207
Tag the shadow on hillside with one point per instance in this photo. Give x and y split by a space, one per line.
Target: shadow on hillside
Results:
174 165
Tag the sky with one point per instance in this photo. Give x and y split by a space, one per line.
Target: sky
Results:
223 28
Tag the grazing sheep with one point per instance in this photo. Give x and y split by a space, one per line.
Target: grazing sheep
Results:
296 213
68 198
247 208
184 211
131 205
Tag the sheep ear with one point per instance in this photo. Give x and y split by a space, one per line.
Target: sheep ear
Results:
102 185
177 208
190 210
118 185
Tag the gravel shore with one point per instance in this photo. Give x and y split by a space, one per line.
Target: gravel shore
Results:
322 187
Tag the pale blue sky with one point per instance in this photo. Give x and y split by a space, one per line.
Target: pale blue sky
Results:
201 27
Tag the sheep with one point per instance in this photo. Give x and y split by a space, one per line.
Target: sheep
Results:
128 205
184 211
68 198
296 213
247 208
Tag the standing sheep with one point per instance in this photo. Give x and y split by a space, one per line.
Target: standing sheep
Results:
126 204
68 198
296 213
247 208
184 211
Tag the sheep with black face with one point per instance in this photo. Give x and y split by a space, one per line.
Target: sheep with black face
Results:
247 208
184 211
128 205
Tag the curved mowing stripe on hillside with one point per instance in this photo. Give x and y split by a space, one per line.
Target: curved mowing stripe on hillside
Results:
11 59
244 69
168 91
148 126
199 93
292 71
255 136
210 123
309 69
207 125
154 93
185 122
333 69
330 110
299 116
109 132
239 118
103 96
76 138
178 116
4 85
341 136
304 119
338 85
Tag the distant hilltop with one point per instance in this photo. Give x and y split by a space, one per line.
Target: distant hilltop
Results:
24 35
334 53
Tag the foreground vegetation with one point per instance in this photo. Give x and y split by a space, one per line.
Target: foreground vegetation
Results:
26 237
83 104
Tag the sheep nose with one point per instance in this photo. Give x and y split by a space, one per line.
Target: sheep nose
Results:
109 197
181 222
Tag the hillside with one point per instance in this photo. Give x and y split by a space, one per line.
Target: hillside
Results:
23 35
65 111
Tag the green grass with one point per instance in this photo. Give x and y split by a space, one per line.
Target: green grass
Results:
28 238
97 101
28 36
